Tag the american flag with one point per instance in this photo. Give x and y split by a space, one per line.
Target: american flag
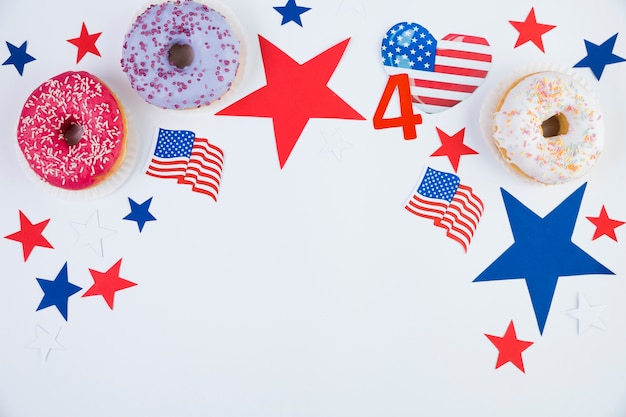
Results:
442 73
441 197
181 155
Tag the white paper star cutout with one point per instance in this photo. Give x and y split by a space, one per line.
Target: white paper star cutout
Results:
356 6
587 315
45 342
335 143
91 234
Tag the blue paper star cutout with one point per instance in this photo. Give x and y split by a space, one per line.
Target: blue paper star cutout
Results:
140 213
599 56
542 252
56 293
18 57
291 12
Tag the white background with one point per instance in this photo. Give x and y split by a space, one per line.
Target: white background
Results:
308 291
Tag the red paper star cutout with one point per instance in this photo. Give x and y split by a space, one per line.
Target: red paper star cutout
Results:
530 30
605 225
85 43
510 347
453 147
294 93
30 235
108 283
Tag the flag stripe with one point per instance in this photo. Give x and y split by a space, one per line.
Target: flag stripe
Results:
466 39
442 102
464 88
468 55
468 72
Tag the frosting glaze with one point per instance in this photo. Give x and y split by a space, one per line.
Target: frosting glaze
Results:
66 100
148 46
518 131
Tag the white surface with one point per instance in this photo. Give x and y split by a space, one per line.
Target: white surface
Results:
308 291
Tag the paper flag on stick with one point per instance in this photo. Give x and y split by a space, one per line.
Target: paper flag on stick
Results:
180 155
441 197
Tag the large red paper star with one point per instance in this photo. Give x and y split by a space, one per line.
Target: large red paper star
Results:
86 43
30 235
453 147
510 348
530 30
605 225
294 93
108 283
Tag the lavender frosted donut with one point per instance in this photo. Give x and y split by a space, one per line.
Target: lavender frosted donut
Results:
180 55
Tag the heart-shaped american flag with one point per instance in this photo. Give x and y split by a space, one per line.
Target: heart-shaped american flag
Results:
442 72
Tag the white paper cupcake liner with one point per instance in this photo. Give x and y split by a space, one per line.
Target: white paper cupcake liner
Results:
102 189
490 104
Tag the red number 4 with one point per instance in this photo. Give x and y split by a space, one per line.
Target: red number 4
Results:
407 119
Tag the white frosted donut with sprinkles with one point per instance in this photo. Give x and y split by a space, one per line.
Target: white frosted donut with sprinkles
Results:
180 55
549 127
72 131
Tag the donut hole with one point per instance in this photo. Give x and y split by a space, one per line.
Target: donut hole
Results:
72 132
180 55
555 126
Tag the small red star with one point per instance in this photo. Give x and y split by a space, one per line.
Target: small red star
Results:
530 30
108 283
510 348
453 147
294 93
605 225
85 43
30 235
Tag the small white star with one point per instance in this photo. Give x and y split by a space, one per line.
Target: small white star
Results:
427 65
412 51
429 42
422 35
427 53
91 234
45 342
587 315
420 46
335 143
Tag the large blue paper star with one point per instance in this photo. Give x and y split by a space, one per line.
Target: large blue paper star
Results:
599 56
140 213
56 293
291 12
542 252
18 57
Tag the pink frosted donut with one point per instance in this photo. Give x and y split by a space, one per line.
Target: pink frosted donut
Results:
72 131
180 55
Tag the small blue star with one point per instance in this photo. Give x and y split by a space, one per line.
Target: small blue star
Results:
18 57
140 213
599 56
291 12
542 252
56 293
